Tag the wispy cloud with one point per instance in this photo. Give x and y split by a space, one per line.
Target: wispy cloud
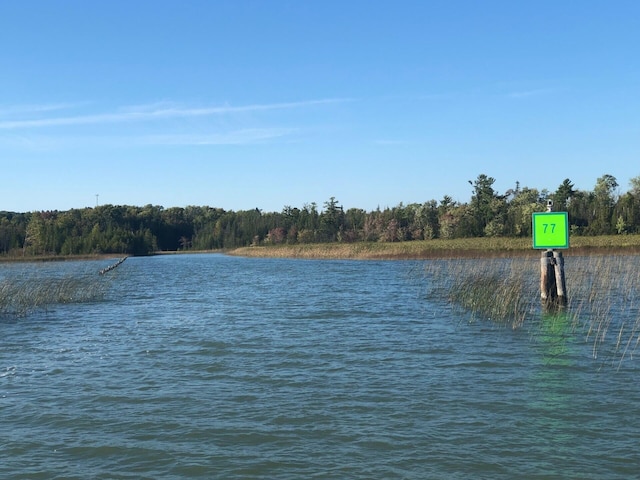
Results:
530 93
237 137
153 112
388 142
22 110
245 136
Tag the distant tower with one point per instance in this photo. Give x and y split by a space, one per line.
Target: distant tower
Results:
97 195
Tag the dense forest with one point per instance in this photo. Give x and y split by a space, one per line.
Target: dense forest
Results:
143 230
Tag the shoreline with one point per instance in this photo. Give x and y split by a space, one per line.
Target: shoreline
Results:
413 250
59 258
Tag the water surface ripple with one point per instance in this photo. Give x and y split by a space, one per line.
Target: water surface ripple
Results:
208 366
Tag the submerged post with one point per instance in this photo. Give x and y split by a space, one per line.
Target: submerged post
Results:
550 231
547 277
553 289
561 284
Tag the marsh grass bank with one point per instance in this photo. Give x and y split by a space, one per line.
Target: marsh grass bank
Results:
53 258
28 287
439 248
20 297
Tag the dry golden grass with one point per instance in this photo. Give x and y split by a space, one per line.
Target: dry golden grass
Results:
439 248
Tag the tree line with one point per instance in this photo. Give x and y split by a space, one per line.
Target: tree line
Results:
122 229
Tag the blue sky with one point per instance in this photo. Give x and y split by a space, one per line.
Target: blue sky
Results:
261 104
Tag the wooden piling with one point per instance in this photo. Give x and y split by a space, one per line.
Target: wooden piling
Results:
553 289
561 285
546 276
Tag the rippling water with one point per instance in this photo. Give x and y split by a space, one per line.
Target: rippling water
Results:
208 366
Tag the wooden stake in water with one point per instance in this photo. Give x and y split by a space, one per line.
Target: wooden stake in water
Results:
553 290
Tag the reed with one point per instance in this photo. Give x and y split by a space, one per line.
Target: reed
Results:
24 295
603 292
499 290
606 304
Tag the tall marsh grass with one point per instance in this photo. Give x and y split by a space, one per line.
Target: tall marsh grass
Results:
25 295
603 297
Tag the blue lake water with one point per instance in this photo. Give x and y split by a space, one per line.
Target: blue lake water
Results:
210 366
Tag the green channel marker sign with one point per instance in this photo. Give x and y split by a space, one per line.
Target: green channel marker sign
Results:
550 230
